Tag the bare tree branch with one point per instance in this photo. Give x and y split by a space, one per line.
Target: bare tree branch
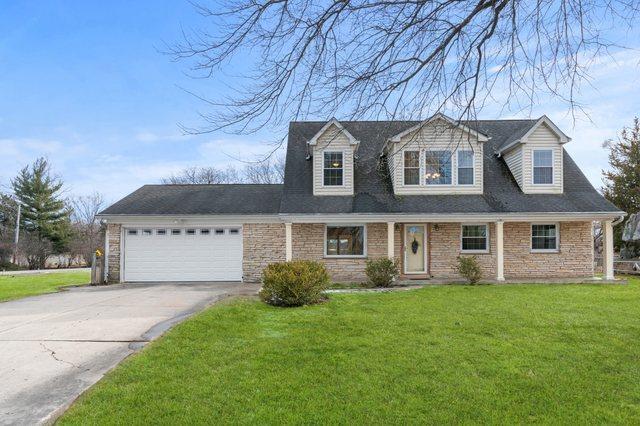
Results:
396 59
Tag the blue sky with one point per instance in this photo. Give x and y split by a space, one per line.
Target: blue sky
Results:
83 83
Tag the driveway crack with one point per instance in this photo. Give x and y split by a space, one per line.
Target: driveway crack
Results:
53 355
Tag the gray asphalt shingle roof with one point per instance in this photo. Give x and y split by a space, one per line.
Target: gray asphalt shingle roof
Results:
372 185
373 193
199 199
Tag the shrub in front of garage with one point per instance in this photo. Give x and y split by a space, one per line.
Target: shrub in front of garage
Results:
294 283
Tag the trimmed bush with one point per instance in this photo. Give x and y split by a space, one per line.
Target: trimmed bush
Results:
381 272
469 268
295 283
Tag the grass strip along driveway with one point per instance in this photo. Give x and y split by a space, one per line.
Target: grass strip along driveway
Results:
486 354
17 286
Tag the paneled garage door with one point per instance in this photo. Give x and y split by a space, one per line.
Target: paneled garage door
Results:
183 254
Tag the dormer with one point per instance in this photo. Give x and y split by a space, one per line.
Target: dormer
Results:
332 151
437 156
535 159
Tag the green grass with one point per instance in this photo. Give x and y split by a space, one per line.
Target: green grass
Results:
17 286
451 354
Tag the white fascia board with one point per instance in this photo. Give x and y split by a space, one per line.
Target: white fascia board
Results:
542 120
333 121
180 220
480 136
453 217
195 220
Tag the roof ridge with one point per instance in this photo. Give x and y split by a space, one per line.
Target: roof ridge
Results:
213 184
412 121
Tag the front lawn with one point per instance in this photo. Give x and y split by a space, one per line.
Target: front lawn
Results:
450 354
17 286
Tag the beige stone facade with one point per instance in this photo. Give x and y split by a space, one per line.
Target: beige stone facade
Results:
574 258
114 232
265 243
262 243
308 244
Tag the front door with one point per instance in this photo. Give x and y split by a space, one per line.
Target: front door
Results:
415 253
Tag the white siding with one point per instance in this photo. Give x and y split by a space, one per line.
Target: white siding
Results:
542 138
437 135
513 159
333 139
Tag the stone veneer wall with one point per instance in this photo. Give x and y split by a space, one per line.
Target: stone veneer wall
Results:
444 240
114 231
575 258
308 244
262 243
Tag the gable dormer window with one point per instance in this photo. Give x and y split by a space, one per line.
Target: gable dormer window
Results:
465 167
412 167
542 166
437 169
333 168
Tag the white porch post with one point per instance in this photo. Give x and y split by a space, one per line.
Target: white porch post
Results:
390 239
500 250
288 242
607 227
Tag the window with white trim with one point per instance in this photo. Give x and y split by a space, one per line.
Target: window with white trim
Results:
544 237
465 167
542 166
437 169
161 232
147 232
345 241
475 238
132 232
333 168
176 231
412 167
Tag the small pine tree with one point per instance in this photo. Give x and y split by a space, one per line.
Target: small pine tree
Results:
622 181
45 214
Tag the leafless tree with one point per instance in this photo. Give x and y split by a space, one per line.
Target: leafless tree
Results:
204 175
400 59
35 249
87 230
268 170
271 170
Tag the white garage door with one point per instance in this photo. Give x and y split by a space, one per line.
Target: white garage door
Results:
183 254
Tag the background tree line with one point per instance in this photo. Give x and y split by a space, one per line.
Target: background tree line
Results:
50 223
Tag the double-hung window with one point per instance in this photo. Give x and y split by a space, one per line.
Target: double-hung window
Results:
437 168
465 167
345 241
411 167
333 168
475 238
544 237
542 166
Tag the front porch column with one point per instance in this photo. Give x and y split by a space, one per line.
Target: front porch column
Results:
390 239
500 250
607 228
288 242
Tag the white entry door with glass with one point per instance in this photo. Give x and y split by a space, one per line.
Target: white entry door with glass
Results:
415 253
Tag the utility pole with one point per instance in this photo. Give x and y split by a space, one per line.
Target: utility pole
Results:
16 238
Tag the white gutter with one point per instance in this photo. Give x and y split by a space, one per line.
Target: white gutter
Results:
362 218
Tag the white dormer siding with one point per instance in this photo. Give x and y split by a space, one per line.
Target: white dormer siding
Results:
333 138
436 135
547 139
513 159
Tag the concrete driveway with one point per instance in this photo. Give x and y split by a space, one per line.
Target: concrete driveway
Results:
53 347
